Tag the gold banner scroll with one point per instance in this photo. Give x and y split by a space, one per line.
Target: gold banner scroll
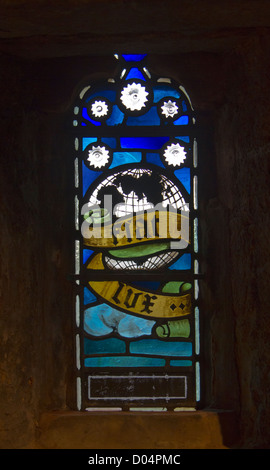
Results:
137 301
140 228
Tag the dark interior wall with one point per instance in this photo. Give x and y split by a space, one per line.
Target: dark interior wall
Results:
240 254
35 291
226 75
247 147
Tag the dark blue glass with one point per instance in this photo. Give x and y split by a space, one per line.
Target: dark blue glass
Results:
111 141
184 106
151 118
116 117
120 158
183 175
182 263
184 138
133 57
147 285
88 297
88 177
155 159
135 73
86 254
87 141
164 91
143 142
182 121
85 116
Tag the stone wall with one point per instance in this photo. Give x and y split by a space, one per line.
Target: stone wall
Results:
244 133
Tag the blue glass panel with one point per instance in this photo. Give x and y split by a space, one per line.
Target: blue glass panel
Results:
163 91
86 254
143 142
183 175
182 263
161 348
103 319
124 361
182 121
176 363
105 346
133 57
147 285
88 177
120 158
184 106
87 141
85 116
135 73
111 141
184 138
110 94
154 158
89 297
116 117
151 118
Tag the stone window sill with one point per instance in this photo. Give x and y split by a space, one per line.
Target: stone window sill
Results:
207 429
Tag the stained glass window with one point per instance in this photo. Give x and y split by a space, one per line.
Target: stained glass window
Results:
136 243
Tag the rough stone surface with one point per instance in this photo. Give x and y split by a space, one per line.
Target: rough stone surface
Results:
42 28
187 430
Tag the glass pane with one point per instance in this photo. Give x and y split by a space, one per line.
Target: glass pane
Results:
143 142
135 73
133 57
136 311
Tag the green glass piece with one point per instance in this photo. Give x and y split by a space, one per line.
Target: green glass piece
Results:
174 329
186 286
172 287
142 250
97 216
176 287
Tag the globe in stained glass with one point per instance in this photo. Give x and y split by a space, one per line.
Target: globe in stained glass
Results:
137 189
134 96
147 263
98 156
169 108
99 109
175 154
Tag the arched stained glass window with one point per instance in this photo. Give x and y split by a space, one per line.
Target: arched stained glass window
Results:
136 244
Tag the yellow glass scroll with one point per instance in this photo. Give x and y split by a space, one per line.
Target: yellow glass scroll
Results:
139 228
137 301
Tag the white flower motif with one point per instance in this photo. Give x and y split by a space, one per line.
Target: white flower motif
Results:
98 156
134 96
99 108
175 154
169 108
